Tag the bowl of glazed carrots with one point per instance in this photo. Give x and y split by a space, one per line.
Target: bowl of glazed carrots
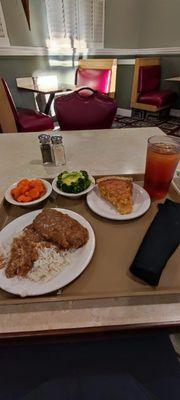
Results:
28 192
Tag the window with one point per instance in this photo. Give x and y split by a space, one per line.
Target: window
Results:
76 23
4 40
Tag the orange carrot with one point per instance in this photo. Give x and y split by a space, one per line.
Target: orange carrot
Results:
37 183
24 199
23 188
28 190
32 183
23 181
34 194
15 193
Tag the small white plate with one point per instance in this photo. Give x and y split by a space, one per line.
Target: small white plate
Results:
141 203
78 262
11 200
72 195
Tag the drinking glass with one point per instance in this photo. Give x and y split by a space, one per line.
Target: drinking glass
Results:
163 155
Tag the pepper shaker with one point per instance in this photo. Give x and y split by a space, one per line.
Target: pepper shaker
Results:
58 150
46 149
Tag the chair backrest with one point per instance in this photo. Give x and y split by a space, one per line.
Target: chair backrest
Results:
85 109
8 113
147 74
99 74
149 78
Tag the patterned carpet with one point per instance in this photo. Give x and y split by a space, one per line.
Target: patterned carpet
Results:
171 126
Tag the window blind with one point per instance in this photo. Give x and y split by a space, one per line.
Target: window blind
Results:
76 23
4 40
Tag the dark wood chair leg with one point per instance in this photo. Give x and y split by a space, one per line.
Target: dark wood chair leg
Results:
48 105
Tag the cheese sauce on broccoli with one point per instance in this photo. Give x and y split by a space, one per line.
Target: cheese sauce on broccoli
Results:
73 182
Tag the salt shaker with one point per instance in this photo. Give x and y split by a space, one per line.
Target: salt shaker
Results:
46 149
58 150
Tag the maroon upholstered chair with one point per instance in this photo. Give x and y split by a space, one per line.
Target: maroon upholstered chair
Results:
146 92
20 120
85 109
97 79
98 74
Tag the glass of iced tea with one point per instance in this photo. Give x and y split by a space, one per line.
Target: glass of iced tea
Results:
163 155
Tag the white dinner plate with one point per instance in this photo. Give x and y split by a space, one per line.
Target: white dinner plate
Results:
73 195
8 196
141 203
79 259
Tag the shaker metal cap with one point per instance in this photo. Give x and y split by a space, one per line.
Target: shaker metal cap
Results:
56 139
44 138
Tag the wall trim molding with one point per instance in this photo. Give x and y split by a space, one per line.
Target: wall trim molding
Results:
128 61
136 52
23 51
124 112
174 112
44 51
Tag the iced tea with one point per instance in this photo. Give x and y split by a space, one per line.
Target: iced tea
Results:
163 154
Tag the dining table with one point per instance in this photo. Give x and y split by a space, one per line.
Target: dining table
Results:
44 86
101 152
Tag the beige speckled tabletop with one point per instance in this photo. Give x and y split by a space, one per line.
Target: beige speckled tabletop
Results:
100 152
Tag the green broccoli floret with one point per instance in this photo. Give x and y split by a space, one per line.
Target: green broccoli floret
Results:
73 182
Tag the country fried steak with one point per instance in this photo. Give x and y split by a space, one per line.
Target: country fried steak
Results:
59 228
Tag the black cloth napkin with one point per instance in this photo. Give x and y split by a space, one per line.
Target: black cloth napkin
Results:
161 240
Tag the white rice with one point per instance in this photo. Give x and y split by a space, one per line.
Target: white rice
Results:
48 265
5 249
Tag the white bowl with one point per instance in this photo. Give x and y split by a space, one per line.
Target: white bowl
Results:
73 195
11 200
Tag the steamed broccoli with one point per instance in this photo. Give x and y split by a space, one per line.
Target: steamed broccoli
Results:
73 182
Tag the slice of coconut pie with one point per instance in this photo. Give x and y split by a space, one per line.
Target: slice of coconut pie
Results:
118 191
